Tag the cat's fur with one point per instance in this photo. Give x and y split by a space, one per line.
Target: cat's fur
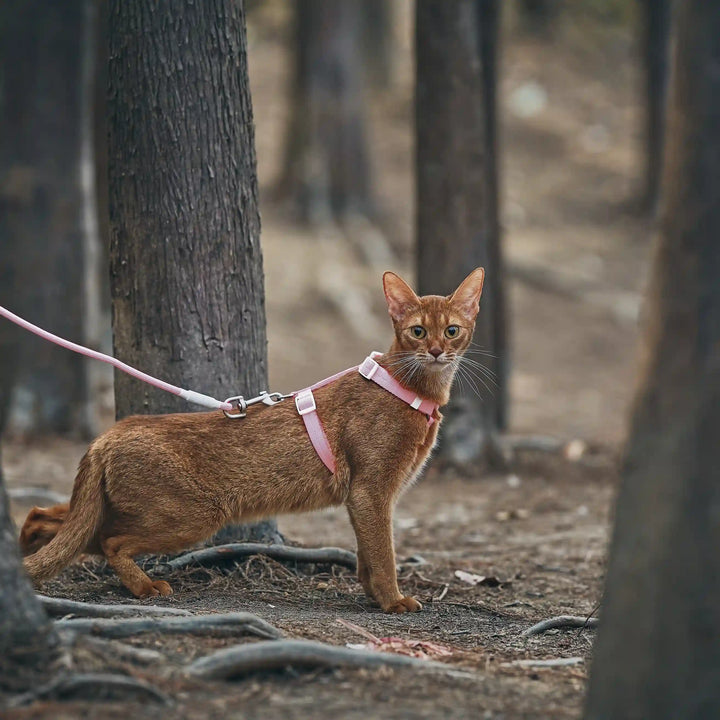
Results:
157 484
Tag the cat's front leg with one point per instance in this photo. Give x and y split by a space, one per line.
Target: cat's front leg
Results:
371 517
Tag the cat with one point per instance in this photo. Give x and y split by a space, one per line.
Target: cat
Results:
158 484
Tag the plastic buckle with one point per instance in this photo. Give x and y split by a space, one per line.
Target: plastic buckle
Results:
305 402
368 368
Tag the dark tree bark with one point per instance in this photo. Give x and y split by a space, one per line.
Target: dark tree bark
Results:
326 166
658 650
27 638
378 42
656 28
40 206
457 196
186 265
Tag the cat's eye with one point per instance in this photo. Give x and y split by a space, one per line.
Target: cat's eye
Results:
452 331
418 331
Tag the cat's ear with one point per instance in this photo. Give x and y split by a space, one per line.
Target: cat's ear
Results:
467 297
399 295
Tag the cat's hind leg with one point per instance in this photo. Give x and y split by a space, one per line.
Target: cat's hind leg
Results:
119 551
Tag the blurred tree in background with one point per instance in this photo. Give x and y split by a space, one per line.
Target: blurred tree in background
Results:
457 202
656 24
48 252
186 264
657 654
326 167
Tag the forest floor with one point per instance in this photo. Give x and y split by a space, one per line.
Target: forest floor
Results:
578 252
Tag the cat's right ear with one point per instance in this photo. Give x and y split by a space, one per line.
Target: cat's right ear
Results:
399 296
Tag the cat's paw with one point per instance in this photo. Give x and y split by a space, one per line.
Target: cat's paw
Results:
162 588
405 604
153 589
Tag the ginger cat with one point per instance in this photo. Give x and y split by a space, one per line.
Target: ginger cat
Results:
157 484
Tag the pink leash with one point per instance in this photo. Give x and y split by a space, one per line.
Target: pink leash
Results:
189 395
304 399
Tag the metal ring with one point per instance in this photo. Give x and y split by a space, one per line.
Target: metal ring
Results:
239 402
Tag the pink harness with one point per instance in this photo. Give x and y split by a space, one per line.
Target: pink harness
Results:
370 370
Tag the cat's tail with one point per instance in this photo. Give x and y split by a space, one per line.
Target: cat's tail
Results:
82 522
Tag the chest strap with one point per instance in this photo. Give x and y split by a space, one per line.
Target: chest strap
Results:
370 370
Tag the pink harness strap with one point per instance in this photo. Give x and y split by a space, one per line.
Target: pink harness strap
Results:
370 370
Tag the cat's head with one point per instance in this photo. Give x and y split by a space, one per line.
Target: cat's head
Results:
433 330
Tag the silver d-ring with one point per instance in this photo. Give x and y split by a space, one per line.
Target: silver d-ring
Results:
239 402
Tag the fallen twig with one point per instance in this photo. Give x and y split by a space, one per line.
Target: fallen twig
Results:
60 607
102 684
242 659
553 662
224 553
140 655
561 622
240 623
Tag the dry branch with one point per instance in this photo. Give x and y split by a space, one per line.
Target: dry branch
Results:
102 685
60 607
242 659
235 551
240 623
550 663
561 622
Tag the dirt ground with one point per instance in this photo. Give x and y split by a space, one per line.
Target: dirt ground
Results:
578 254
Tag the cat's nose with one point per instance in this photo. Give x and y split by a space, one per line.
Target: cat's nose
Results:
435 352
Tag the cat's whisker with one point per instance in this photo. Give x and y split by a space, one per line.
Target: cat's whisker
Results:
462 373
470 372
491 375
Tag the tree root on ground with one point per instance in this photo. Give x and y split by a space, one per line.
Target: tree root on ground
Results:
243 659
225 624
95 685
235 551
60 607
561 622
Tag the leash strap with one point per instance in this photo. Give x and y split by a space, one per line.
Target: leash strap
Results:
370 370
189 395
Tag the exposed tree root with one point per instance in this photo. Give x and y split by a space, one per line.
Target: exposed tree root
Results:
562 622
226 624
548 663
243 659
235 551
95 685
59 607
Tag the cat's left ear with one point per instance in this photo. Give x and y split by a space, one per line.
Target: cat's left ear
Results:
467 297
399 295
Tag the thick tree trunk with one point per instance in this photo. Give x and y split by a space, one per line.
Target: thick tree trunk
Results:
326 167
186 265
656 26
457 195
27 638
40 206
658 650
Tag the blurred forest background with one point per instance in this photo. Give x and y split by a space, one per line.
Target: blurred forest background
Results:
337 211
527 136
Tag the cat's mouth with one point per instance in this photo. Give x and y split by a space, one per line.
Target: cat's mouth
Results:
437 364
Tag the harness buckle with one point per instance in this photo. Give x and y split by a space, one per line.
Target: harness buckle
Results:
305 402
368 368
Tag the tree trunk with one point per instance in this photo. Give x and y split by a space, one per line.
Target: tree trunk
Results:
658 650
27 638
656 26
186 265
326 166
40 207
457 195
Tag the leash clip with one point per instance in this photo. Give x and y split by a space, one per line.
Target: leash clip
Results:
241 404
